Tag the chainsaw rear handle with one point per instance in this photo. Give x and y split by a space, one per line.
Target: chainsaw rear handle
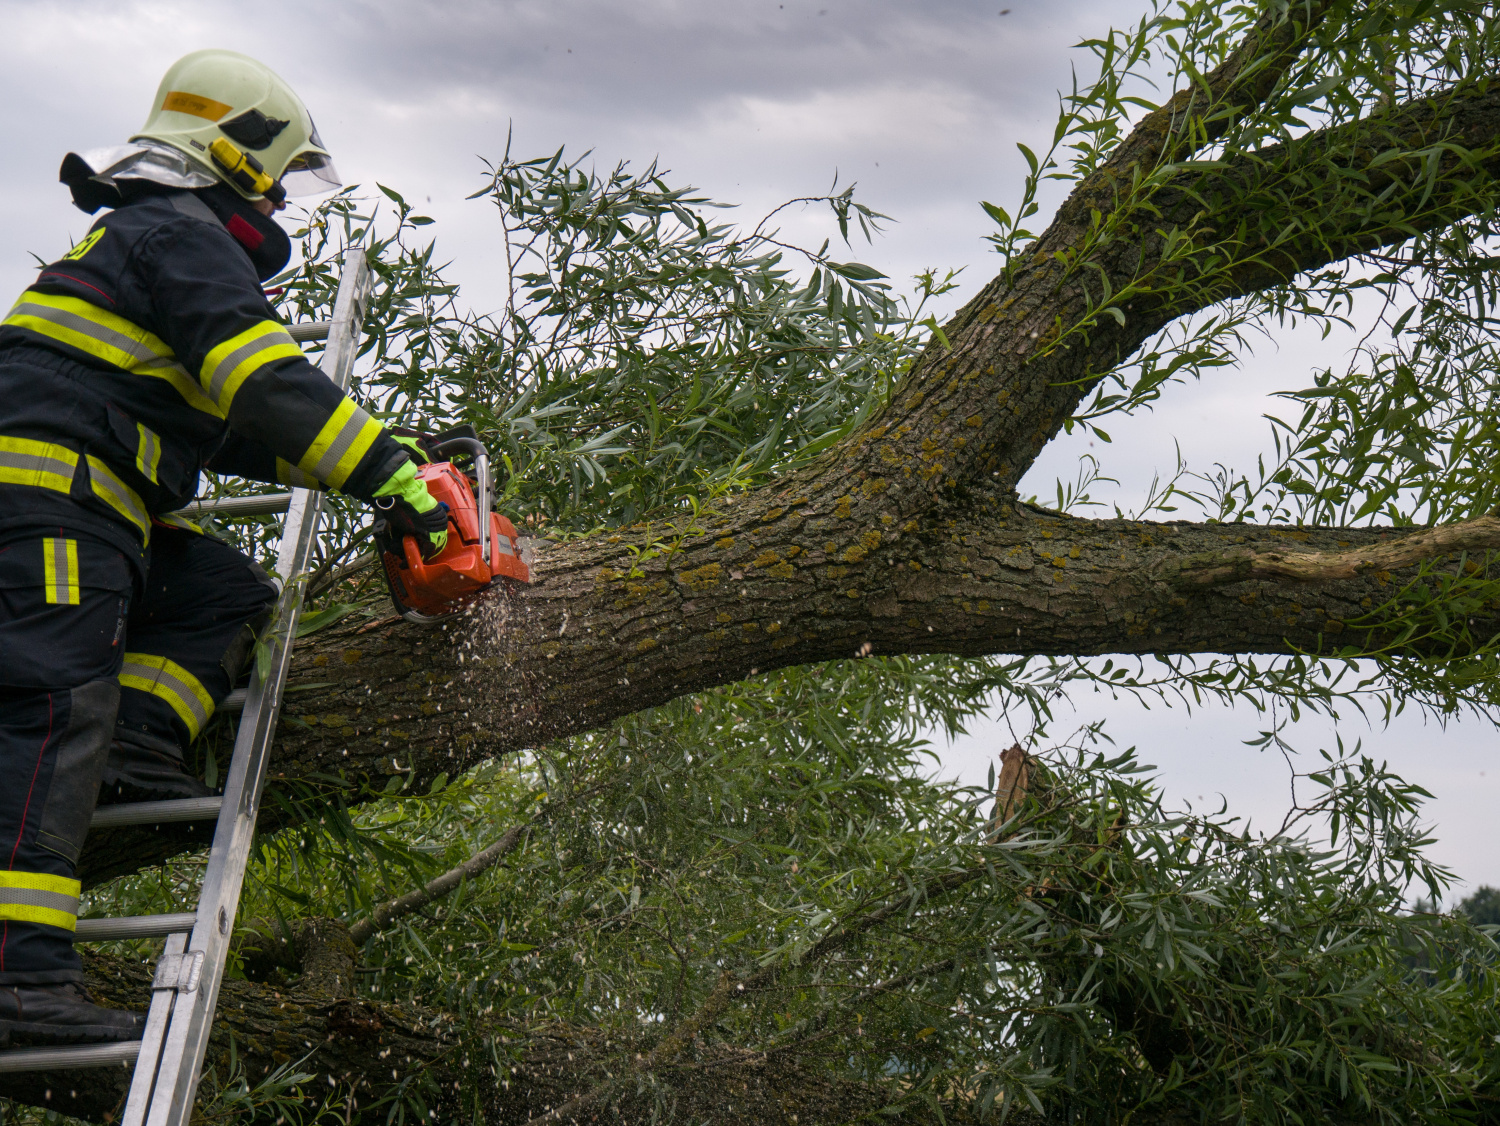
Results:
475 449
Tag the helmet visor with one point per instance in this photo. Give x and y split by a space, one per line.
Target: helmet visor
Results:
309 174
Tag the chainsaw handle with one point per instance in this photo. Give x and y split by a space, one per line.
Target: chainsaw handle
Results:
447 447
475 449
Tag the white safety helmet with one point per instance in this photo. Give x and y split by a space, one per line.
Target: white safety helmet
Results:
234 120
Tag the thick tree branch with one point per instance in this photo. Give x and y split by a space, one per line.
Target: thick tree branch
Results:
1197 116
983 408
777 584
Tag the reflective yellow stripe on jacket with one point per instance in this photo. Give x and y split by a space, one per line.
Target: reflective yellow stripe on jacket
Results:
170 682
105 336
118 495
147 452
289 474
344 439
35 897
241 356
46 465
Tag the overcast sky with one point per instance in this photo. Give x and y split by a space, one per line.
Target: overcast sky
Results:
755 102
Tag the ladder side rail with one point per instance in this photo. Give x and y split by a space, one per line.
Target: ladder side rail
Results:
176 1081
179 1060
151 1038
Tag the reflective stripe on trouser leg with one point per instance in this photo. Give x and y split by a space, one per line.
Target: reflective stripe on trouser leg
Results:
35 897
169 682
58 701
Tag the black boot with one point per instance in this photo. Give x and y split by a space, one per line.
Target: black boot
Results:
144 768
61 1014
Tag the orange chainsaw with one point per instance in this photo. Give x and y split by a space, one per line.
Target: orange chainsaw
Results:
429 590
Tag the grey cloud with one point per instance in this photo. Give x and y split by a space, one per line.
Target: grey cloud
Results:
753 101
668 53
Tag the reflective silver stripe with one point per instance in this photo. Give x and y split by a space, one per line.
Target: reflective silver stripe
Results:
329 462
36 463
61 594
289 474
35 897
162 362
173 684
226 367
85 327
105 483
149 453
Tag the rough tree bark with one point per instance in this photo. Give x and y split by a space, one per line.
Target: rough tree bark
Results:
907 538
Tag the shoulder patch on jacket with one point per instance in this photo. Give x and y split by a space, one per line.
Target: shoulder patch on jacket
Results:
84 245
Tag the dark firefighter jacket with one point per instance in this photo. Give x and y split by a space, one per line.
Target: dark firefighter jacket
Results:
149 352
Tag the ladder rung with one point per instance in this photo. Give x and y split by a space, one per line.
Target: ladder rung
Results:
267 504
134 926
157 812
234 702
310 330
70 1056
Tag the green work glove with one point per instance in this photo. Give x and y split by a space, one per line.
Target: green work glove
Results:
411 510
422 447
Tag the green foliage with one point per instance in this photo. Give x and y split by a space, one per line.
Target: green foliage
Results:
1096 954
644 359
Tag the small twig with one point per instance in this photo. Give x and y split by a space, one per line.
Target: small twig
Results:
413 901
322 580
377 624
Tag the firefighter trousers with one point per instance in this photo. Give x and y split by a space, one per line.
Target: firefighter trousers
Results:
86 642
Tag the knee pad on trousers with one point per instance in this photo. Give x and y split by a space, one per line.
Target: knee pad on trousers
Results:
238 654
77 767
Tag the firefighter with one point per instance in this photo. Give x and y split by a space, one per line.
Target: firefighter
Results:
145 354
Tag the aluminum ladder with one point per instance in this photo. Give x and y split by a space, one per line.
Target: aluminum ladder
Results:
169 1057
